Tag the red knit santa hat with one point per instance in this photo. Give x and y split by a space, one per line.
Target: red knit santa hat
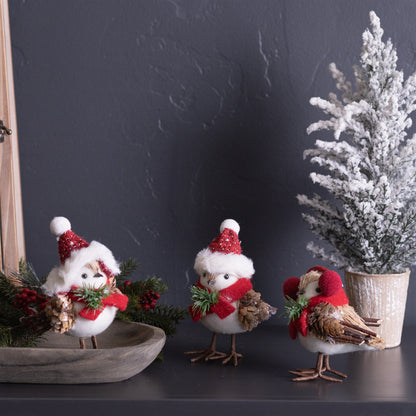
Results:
223 255
75 251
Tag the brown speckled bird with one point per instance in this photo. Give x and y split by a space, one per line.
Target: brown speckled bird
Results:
327 325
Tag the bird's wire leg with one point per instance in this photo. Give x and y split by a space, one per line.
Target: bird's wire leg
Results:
209 354
307 374
94 342
233 354
82 343
317 373
327 367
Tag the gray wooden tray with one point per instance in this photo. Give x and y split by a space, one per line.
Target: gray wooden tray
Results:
125 349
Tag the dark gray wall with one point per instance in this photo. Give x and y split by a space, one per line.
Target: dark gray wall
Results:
147 123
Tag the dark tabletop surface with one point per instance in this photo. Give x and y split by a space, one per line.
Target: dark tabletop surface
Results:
379 383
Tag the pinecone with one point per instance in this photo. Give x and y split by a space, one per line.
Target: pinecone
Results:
252 310
60 311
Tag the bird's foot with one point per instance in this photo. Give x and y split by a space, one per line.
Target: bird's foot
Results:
302 371
338 373
206 355
307 374
322 365
233 355
327 367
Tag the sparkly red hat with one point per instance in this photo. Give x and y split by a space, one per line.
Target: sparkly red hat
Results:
224 255
75 251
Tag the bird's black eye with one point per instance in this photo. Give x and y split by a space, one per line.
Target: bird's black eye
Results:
318 290
226 277
84 275
204 275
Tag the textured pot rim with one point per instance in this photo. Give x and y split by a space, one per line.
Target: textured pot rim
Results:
362 274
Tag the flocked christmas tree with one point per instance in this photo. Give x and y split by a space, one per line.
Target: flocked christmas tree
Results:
369 170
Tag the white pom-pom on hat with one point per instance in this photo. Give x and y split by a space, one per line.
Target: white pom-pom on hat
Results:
231 224
59 225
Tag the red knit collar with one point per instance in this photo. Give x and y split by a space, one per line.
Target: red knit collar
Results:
114 299
224 306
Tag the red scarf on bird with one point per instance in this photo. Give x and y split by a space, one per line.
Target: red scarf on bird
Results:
114 299
224 306
301 324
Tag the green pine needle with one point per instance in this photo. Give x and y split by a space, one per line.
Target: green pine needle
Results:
294 308
92 296
203 299
126 269
28 276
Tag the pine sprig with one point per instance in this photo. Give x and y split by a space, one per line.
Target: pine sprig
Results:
13 333
126 269
203 299
7 289
294 308
92 296
25 277
139 288
163 316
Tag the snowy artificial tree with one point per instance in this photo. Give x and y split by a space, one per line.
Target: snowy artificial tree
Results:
369 170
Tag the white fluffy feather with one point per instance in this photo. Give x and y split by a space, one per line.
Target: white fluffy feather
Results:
313 344
223 263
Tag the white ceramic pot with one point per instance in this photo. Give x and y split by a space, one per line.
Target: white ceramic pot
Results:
380 296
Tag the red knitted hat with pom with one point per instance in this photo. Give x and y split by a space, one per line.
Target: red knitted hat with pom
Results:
226 242
224 254
73 248
68 241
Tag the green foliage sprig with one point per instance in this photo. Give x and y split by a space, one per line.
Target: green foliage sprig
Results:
294 308
203 299
13 331
92 297
163 316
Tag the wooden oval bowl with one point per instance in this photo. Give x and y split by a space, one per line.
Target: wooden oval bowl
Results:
124 350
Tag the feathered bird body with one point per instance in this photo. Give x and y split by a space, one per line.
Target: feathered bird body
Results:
328 325
331 331
86 328
237 308
86 269
228 325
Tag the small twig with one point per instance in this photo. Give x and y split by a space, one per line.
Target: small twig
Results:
358 328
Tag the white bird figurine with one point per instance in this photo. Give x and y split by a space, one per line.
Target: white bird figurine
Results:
223 298
85 267
324 322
